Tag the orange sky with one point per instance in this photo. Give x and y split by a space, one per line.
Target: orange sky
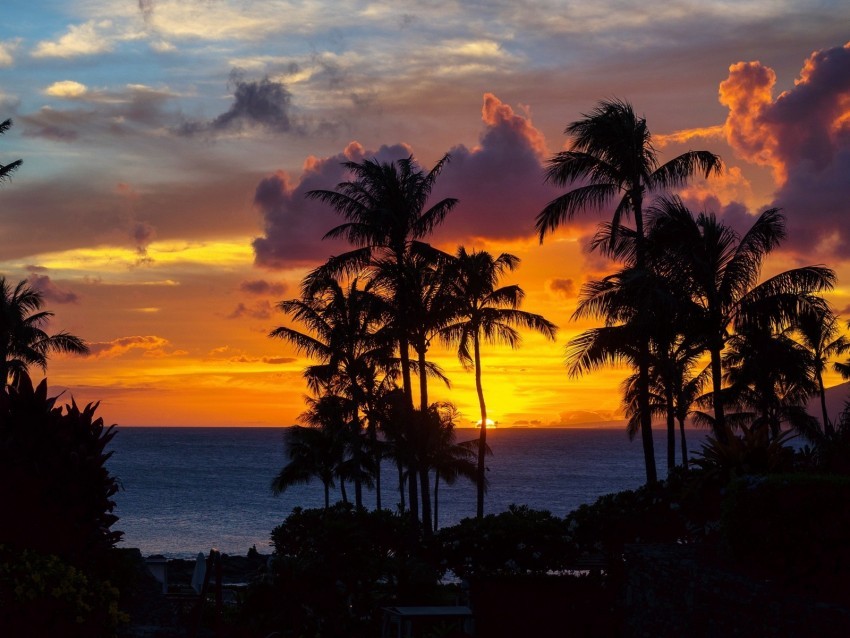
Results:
161 209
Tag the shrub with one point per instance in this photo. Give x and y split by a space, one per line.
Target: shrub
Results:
332 569
796 526
519 541
57 500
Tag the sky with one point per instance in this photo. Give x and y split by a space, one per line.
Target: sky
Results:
168 144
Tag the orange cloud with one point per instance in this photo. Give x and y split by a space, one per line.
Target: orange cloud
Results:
150 345
497 114
748 93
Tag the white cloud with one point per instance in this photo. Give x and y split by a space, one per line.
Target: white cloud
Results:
88 38
66 89
6 50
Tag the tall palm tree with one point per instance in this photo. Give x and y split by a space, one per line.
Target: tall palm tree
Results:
385 206
345 323
819 333
611 159
485 311
722 270
23 340
6 170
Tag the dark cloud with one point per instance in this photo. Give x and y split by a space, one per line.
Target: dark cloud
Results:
500 182
804 135
136 109
263 287
563 287
263 103
260 310
50 291
294 225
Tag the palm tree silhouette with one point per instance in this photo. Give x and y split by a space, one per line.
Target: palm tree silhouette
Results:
722 270
611 157
771 375
6 170
485 311
346 324
313 451
819 333
23 340
384 206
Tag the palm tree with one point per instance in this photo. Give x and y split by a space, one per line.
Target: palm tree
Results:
23 341
312 452
612 157
449 460
385 210
6 170
384 206
346 324
486 312
771 375
722 270
818 331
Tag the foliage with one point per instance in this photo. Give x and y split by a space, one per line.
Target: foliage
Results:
520 540
333 568
650 514
795 526
43 595
52 476
23 340
753 452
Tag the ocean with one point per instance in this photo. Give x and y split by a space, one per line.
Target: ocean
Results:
187 490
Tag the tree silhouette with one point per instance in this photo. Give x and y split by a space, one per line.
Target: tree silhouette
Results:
346 324
819 333
23 340
611 159
485 311
722 270
6 170
384 206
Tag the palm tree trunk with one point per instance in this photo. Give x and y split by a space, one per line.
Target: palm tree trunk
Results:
482 437
342 491
423 379
827 424
436 493
401 483
671 429
684 443
720 430
425 481
327 494
643 354
645 413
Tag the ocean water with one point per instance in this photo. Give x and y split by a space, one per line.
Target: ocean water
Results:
187 490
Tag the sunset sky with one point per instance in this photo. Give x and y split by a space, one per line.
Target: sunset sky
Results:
167 145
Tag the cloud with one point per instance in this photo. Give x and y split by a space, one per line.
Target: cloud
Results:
259 310
150 345
294 225
263 287
565 288
7 50
134 108
263 103
804 135
89 38
50 291
499 182
66 89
